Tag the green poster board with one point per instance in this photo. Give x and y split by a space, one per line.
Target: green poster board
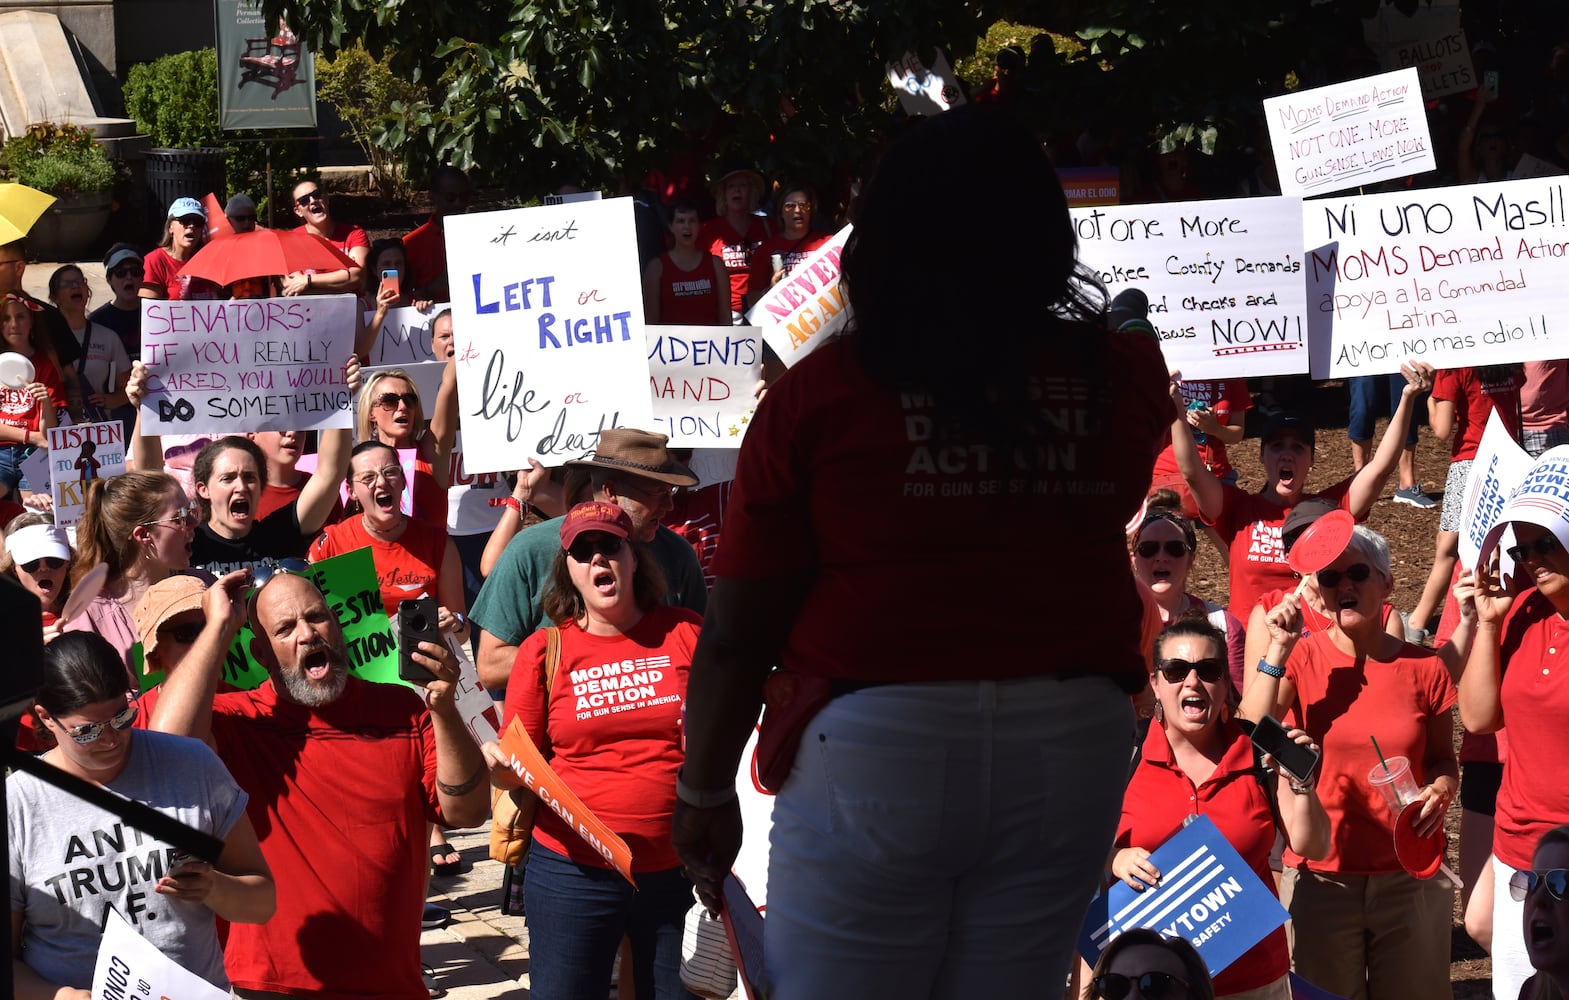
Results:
266 79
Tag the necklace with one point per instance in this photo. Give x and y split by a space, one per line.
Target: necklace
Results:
384 536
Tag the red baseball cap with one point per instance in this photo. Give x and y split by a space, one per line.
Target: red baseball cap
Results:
594 515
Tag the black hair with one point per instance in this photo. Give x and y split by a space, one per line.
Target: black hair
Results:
365 446
1192 626
201 469
59 276
372 275
81 669
683 204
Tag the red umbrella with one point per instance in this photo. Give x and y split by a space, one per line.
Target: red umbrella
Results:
265 252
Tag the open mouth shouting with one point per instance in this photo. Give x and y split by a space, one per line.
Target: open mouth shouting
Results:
240 508
603 580
1195 707
386 499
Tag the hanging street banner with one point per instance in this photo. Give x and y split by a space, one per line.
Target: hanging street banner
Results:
1350 134
1224 279
265 80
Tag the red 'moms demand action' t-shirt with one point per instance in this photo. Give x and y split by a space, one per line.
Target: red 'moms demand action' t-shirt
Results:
1250 526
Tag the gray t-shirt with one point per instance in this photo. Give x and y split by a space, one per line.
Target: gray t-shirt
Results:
71 861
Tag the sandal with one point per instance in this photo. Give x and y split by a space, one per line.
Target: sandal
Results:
439 867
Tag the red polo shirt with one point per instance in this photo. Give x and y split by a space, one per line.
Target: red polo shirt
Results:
1160 797
1533 797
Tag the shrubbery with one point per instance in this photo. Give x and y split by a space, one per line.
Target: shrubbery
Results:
59 159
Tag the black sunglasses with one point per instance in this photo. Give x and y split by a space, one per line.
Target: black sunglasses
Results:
308 197
1176 671
1522 884
390 400
185 634
49 561
583 549
1147 550
1356 573
242 218
1545 545
127 271
1152 986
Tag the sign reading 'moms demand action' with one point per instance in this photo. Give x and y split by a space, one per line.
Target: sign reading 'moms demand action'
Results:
1456 277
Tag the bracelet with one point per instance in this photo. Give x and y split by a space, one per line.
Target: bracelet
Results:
520 505
1299 787
307 279
703 799
1268 669
462 788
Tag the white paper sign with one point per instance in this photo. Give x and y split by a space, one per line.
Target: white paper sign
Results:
1457 277
1350 134
806 308
404 337
1430 39
77 456
548 309
1541 498
247 364
1224 279
478 709
130 966
1499 465
701 378
924 91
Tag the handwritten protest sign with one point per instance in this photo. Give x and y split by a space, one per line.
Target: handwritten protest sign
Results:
701 378
1541 498
404 337
1348 134
247 364
130 967
807 307
1499 465
78 455
1224 279
537 777
1428 38
1456 277
922 90
548 308
1207 894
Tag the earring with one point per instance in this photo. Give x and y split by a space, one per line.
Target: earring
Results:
1160 713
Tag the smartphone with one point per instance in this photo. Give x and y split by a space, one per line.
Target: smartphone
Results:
417 623
389 279
181 862
1490 84
1296 759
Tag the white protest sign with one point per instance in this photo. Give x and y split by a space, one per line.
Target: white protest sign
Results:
35 470
924 91
1500 463
247 364
548 309
404 337
1429 38
130 966
1349 134
1541 498
701 378
1224 279
77 456
807 307
478 709
1456 277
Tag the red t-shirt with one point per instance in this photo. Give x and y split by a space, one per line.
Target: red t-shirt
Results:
345 236
405 569
1229 399
1533 797
339 797
735 249
844 481
430 500
18 408
425 249
1544 398
688 298
697 516
1160 797
1475 402
276 495
1250 526
614 729
162 273
1341 702
792 250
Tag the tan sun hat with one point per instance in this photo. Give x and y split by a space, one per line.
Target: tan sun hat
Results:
168 597
639 453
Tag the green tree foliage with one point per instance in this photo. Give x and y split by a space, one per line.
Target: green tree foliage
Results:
59 159
370 98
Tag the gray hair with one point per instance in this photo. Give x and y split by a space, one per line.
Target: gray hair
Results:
1372 547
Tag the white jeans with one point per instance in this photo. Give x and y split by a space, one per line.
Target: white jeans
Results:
1511 965
944 840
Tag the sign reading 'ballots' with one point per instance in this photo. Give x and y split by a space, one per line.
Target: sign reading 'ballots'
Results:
1207 895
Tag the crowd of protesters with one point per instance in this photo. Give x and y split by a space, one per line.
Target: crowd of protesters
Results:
950 792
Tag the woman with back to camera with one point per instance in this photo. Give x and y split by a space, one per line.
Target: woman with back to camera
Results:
946 811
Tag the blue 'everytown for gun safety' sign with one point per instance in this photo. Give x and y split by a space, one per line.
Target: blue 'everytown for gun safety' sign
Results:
1207 895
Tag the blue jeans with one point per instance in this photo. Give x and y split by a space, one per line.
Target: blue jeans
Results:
577 916
1364 400
11 458
943 840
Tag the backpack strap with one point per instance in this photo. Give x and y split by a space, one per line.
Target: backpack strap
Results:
552 664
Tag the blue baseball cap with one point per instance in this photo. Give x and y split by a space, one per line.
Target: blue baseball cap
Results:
186 206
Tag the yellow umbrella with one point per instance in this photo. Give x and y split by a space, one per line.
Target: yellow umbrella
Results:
20 207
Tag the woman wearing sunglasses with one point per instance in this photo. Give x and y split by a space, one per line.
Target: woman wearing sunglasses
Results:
610 722
71 862
390 411
1142 965
1163 550
1361 926
1543 893
38 556
1512 679
1198 760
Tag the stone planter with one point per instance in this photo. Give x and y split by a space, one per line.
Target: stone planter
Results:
69 229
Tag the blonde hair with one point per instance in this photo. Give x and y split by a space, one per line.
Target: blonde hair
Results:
365 425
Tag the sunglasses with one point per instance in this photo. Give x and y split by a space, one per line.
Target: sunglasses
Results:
390 400
242 218
1356 573
584 549
127 271
1522 884
1174 549
1545 545
185 517
1176 671
185 634
48 562
89 733
308 197
1152 986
